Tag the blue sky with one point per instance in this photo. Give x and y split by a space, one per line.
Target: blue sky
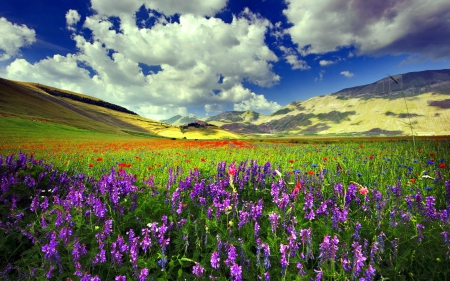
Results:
161 58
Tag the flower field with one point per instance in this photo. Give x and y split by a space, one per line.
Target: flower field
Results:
225 210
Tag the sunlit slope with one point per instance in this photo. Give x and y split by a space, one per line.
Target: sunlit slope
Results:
429 113
30 101
19 101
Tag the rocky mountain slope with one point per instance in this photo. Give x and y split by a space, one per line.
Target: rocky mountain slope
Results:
420 100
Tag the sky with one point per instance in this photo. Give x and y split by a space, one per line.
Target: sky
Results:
161 58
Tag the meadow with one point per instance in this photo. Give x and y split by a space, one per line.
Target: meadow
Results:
110 208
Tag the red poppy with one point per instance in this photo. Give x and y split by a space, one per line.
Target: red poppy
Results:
325 159
442 165
188 161
149 168
291 161
431 155
363 191
203 160
361 146
412 180
99 159
311 173
371 156
91 165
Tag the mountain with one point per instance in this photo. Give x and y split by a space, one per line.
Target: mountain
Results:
41 103
420 100
412 83
181 120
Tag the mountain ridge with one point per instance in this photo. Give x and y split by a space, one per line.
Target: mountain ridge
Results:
375 108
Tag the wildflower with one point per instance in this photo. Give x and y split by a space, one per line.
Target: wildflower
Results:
215 259
419 231
99 159
442 165
143 275
91 165
371 156
120 278
357 229
232 170
363 191
358 259
412 180
198 270
311 173
291 161
236 272
231 255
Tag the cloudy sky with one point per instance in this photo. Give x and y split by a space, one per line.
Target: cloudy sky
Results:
161 58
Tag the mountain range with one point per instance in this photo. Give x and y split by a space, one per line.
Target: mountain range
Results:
415 102
404 104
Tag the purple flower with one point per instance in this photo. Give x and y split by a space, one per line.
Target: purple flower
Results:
266 276
120 278
198 270
256 228
274 221
284 262
328 249
243 218
358 259
51 253
370 272
419 231
266 262
231 256
143 274
301 271
236 272
356 233
215 260
107 227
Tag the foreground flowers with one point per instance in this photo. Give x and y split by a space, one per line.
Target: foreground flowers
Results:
246 220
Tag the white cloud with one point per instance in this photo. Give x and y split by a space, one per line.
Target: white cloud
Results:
291 57
72 18
320 78
167 7
347 74
13 37
214 107
257 103
159 112
191 54
326 62
372 27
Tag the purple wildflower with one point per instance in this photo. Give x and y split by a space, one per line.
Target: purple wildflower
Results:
301 271
236 272
215 260
284 262
198 270
358 259
143 274
120 278
231 255
274 221
419 232
356 233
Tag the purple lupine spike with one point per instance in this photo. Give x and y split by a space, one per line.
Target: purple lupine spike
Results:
358 259
355 235
215 260
231 256
236 272
420 227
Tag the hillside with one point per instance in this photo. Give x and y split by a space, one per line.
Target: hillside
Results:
378 108
47 104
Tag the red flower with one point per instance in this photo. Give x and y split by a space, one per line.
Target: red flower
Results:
311 173
412 180
232 170
99 159
149 168
203 160
325 159
363 191
91 165
442 165
371 156
361 146
291 161
431 155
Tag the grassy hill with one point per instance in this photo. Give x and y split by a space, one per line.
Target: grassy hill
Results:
32 102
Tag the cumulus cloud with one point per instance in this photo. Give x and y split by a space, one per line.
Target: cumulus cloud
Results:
326 62
201 60
372 27
347 74
72 18
13 37
291 57
214 107
257 103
